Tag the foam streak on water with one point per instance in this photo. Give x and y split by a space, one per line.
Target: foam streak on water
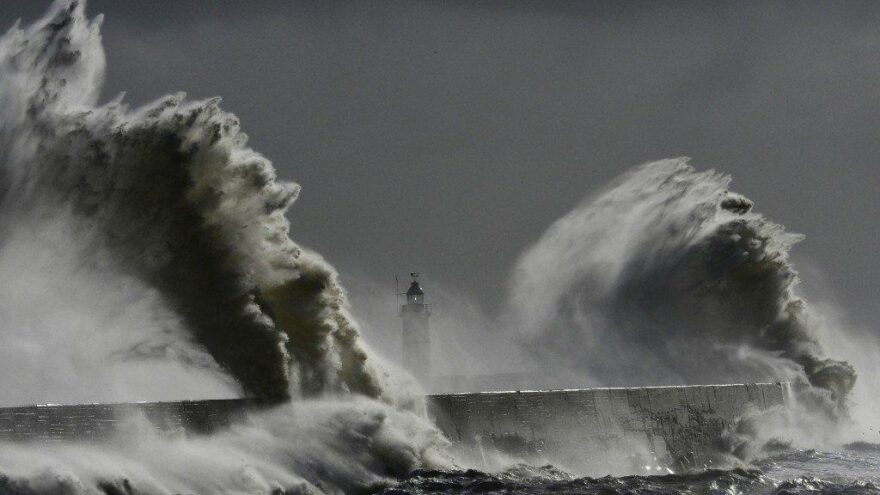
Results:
852 470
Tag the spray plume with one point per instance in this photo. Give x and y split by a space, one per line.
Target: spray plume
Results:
667 276
145 255
170 199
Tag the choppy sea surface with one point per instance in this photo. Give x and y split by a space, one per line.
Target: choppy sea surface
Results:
854 469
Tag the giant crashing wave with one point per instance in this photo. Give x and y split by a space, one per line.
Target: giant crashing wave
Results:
145 254
666 276
171 196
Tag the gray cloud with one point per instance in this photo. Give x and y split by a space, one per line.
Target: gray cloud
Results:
446 137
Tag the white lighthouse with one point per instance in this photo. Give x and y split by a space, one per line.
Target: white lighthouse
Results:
416 332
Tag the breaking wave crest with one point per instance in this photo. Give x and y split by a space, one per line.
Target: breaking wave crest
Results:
169 198
666 276
146 256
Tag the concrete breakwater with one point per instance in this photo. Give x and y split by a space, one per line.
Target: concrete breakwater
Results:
96 422
651 427
602 429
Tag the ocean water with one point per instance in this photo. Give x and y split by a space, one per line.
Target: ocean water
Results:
854 469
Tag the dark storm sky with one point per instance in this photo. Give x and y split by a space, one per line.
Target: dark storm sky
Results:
445 137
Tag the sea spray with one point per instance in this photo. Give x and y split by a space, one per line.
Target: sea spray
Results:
171 196
145 255
302 447
667 276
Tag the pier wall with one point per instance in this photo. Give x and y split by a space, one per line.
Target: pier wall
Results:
95 422
601 429
604 430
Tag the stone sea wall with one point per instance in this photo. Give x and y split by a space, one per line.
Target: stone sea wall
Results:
95 422
605 430
601 429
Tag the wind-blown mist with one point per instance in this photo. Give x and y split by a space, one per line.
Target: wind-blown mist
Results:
668 277
175 226
304 447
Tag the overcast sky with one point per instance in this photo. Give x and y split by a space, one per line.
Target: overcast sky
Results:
445 137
